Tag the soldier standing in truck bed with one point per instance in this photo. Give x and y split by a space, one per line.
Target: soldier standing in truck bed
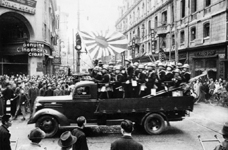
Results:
160 76
130 73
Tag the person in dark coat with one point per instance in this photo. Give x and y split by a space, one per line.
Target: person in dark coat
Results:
126 142
4 133
81 143
49 91
32 94
223 145
8 94
130 76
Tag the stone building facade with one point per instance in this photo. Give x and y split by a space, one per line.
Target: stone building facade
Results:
196 29
28 35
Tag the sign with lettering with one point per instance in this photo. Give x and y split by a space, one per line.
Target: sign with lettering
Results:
33 49
57 60
205 53
28 6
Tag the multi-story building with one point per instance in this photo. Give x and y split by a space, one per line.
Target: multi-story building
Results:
27 36
195 30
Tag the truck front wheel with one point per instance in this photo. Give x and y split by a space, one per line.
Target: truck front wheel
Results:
154 124
48 124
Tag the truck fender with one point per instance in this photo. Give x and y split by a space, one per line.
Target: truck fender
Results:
160 113
61 118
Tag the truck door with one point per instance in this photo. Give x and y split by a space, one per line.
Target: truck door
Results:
83 104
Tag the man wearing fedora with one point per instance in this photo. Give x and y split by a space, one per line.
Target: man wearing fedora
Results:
126 142
35 136
81 143
224 144
66 140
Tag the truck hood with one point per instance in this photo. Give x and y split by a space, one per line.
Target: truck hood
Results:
53 98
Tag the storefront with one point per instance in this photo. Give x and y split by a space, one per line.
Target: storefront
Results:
208 59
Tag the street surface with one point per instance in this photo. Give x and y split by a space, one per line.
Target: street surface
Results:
206 120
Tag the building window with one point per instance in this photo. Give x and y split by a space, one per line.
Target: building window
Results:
133 17
149 26
182 37
45 32
149 48
182 8
193 6
173 40
207 3
143 49
156 22
143 9
138 13
143 30
193 33
138 32
206 30
164 18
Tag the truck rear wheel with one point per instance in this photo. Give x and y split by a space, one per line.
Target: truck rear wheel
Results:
48 124
154 124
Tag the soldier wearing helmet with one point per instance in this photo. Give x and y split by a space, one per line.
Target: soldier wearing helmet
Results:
151 77
119 79
186 75
130 76
177 77
169 73
142 81
136 67
106 78
160 76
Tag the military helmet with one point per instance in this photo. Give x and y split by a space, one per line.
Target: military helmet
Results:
105 67
141 66
161 64
136 64
176 71
119 67
179 64
186 66
96 68
151 64
111 63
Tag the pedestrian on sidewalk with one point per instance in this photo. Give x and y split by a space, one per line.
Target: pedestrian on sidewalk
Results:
35 136
67 140
81 143
224 144
126 142
4 133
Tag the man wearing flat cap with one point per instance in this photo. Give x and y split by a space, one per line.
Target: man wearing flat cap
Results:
66 140
126 142
223 145
35 136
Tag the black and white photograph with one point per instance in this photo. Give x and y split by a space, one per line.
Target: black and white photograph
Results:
113 74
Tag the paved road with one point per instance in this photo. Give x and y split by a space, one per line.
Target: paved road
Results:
206 120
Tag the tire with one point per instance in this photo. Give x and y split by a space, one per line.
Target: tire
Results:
154 124
48 124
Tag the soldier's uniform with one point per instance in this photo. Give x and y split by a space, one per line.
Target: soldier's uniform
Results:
151 78
177 78
128 86
160 77
105 83
185 74
142 81
118 87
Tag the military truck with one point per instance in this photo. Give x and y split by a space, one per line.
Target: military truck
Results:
55 112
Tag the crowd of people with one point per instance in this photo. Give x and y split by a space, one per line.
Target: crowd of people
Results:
22 90
211 91
138 80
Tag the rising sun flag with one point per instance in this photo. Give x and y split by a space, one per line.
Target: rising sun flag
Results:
100 44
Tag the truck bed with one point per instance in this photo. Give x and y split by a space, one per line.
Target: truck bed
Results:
137 105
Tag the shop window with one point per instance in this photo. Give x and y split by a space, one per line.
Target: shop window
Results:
193 6
207 3
182 8
206 30
182 37
164 18
193 33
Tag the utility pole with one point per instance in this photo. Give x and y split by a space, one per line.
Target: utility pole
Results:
73 51
79 51
175 32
